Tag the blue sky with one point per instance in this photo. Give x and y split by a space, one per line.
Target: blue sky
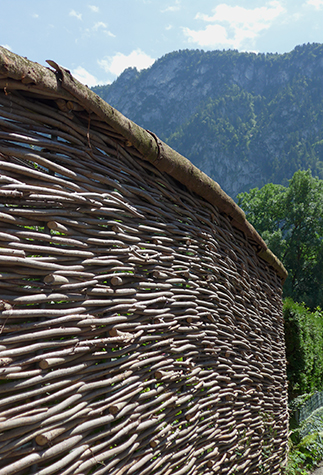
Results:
97 39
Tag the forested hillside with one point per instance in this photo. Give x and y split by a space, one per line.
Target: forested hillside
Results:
245 119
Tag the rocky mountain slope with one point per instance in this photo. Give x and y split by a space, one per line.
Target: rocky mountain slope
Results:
245 119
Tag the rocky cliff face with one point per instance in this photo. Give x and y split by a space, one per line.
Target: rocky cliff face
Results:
244 119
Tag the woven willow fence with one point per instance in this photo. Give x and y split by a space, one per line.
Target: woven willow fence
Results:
141 331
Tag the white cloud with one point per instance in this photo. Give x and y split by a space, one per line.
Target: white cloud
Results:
84 76
172 8
99 24
35 15
77 15
211 35
119 62
243 16
94 8
295 17
99 27
107 32
241 24
315 3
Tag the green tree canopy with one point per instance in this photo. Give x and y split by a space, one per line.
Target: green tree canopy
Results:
290 220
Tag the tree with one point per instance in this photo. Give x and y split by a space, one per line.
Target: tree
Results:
290 220
304 335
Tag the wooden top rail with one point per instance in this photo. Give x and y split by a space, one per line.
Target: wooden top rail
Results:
20 73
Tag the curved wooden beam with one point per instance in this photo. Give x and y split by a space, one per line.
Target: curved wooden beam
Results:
61 83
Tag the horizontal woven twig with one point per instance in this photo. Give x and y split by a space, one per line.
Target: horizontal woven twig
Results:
140 331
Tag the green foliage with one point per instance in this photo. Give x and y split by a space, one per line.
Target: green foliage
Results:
296 462
290 220
227 122
304 336
306 445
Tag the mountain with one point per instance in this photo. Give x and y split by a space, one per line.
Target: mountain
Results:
245 119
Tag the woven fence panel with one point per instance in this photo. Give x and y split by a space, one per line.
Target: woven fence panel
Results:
140 332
